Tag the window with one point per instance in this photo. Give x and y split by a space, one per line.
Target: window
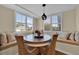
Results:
29 23
47 24
56 23
23 22
20 22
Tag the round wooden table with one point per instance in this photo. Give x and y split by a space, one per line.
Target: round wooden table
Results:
37 42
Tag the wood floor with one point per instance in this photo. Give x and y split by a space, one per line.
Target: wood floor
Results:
61 49
13 51
59 53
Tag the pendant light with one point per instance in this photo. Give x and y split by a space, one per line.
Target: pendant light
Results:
44 17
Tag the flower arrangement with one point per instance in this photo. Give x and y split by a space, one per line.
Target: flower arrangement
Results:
38 34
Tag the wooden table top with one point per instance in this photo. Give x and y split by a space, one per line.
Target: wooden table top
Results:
30 38
33 42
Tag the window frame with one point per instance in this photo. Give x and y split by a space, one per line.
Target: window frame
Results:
21 20
48 24
21 14
51 29
29 23
60 24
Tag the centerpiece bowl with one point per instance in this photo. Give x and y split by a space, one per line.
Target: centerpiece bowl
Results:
38 34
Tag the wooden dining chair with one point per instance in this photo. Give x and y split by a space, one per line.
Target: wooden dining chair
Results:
50 50
22 50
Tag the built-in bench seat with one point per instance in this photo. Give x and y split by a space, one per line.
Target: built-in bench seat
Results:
7 40
69 37
68 49
68 42
11 44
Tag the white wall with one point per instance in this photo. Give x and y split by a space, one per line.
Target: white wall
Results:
35 24
6 19
68 21
38 24
77 19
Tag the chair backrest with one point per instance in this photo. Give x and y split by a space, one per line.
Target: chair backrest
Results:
51 48
21 47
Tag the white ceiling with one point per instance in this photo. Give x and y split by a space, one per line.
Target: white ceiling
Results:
49 9
36 10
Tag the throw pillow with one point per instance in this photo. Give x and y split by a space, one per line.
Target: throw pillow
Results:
77 36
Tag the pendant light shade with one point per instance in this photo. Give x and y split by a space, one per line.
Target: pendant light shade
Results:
44 17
